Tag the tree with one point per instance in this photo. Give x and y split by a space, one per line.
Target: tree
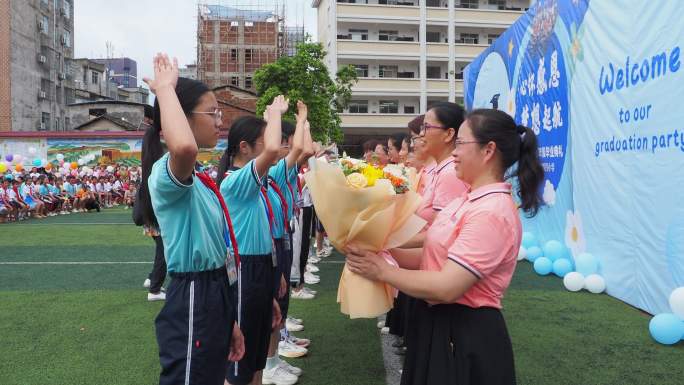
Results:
305 77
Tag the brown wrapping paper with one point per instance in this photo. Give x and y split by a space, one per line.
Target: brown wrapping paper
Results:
373 218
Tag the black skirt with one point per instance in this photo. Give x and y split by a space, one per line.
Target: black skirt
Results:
456 344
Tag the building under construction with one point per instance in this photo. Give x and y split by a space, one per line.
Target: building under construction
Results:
234 41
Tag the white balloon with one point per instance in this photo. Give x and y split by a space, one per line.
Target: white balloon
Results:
81 162
522 253
573 281
32 150
677 302
595 284
60 156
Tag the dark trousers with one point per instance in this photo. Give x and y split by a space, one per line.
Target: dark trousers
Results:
307 221
158 274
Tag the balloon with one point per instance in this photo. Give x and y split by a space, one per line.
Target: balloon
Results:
74 165
543 266
59 156
32 151
18 167
81 162
8 176
3 167
561 267
17 158
9 157
666 328
48 166
573 281
522 253
529 240
533 253
677 302
586 264
554 250
595 284
110 169
36 162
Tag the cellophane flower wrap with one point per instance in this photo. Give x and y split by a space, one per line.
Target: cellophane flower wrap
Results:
372 207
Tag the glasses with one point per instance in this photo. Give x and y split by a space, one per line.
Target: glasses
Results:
218 114
416 139
425 126
460 142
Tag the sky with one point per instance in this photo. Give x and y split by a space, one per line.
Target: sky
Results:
140 28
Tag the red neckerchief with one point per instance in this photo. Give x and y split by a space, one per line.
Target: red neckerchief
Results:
271 219
211 185
275 188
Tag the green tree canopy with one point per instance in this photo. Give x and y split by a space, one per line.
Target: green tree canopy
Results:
305 77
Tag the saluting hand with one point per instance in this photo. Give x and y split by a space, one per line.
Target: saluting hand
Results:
165 73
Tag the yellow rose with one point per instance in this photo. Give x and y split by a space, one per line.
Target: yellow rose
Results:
357 180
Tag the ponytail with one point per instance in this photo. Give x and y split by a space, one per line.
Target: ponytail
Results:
515 143
244 129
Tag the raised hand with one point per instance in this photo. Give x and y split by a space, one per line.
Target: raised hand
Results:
279 105
302 111
165 73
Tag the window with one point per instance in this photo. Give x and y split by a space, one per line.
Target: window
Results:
45 25
491 37
388 35
235 81
66 39
389 106
499 4
432 37
248 55
469 38
434 72
45 121
248 82
358 34
409 109
388 71
94 77
361 70
233 54
57 124
468 4
66 9
434 3
67 124
44 3
358 106
97 111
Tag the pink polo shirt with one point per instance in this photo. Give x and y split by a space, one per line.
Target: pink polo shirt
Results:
480 231
441 188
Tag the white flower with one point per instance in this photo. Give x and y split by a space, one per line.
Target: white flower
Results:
510 105
549 194
574 235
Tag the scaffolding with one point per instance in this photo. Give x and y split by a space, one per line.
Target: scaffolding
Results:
237 37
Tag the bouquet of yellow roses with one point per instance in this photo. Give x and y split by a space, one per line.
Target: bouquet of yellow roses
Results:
361 204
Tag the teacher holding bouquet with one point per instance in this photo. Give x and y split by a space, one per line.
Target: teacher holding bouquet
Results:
467 258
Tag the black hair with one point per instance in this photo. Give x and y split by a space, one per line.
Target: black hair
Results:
189 93
369 145
451 115
398 139
516 143
288 129
414 125
244 129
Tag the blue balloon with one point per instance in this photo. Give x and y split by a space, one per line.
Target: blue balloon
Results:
561 267
36 162
586 264
543 266
666 328
533 253
529 240
8 177
9 157
554 250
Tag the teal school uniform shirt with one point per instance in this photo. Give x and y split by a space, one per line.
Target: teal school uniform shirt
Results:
190 218
241 189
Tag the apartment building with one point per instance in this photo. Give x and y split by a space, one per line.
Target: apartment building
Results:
408 54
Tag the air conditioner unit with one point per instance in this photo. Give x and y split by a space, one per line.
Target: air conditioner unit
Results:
42 59
42 94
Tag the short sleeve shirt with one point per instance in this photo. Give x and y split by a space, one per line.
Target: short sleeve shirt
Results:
442 187
190 219
241 190
480 231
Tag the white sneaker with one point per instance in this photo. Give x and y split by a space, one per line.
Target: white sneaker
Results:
147 283
312 292
278 376
381 324
294 320
384 330
301 342
311 279
74 211
291 369
161 296
312 268
313 260
289 350
293 327
301 294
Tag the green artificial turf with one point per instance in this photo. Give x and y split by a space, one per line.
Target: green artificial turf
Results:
91 323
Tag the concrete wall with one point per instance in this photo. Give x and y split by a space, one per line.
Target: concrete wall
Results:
5 71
